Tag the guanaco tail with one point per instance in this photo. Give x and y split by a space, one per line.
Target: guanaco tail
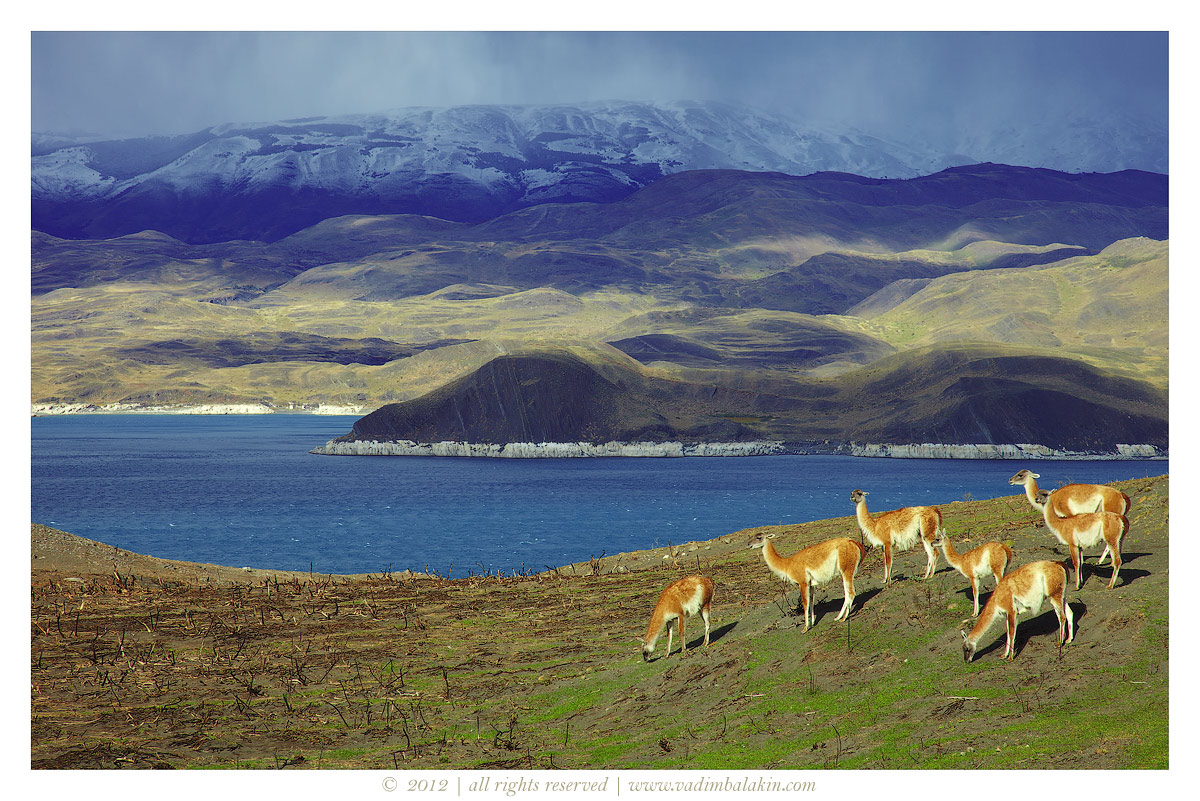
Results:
813 566
1085 530
1023 590
1074 499
687 596
899 530
989 559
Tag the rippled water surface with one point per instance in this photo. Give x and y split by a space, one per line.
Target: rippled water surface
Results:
243 490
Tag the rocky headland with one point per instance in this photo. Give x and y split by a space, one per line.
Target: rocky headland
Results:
949 405
564 450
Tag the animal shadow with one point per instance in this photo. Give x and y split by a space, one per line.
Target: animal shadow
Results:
1044 625
697 643
834 605
1103 574
717 634
861 599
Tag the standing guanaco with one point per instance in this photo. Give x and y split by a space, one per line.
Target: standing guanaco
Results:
1074 499
813 566
1085 530
687 596
989 559
1023 590
899 530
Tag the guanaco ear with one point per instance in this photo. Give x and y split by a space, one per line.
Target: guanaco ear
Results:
964 636
1035 475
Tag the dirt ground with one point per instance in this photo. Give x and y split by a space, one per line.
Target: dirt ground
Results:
138 662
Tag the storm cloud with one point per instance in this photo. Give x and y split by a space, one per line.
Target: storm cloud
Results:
137 83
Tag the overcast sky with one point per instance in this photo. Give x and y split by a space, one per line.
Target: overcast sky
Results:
136 83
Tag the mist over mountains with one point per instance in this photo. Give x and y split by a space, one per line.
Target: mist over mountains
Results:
472 163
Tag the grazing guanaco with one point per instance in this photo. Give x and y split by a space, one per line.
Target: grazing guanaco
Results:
1023 590
813 566
989 559
899 530
687 596
1085 530
1074 499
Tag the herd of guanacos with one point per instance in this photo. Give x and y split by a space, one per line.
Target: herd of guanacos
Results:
1078 515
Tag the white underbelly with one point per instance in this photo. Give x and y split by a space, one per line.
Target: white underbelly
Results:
692 605
826 570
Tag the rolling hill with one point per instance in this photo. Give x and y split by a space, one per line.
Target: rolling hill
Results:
802 291
951 395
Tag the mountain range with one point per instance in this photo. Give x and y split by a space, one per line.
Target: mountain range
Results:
473 163
979 303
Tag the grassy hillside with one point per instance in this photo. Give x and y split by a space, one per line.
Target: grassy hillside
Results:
145 666
730 278
1109 309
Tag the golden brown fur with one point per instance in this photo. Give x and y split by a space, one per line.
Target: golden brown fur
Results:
687 596
991 558
1023 590
899 530
813 566
1085 530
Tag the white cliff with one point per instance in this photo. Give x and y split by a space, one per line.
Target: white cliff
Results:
137 408
565 450
547 450
989 451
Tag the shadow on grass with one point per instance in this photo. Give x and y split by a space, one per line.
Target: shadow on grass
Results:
1044 625
1104 575
833 604
697 643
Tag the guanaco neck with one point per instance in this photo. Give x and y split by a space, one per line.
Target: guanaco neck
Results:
865 521
990 610
1049 516
772 557
952 556
1031 490
655 629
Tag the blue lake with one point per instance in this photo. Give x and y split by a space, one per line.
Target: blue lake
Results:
244 491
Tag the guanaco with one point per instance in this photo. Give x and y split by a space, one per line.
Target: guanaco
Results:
1085 530
1074 499
989 559
813 566
1023 590
899 530
687 596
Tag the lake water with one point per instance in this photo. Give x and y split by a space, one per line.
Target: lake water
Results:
244 491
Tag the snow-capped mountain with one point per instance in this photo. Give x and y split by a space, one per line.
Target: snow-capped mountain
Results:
467 163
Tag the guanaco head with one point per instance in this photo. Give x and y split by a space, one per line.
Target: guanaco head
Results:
939 538
857 496
759 539
968 647
1042 497
1022 477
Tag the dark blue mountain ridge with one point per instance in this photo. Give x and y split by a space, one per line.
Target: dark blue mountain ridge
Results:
465 164
681 234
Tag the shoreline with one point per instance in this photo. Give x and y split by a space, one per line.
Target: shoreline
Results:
587 450
53 550
56 551
61 409
669 450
